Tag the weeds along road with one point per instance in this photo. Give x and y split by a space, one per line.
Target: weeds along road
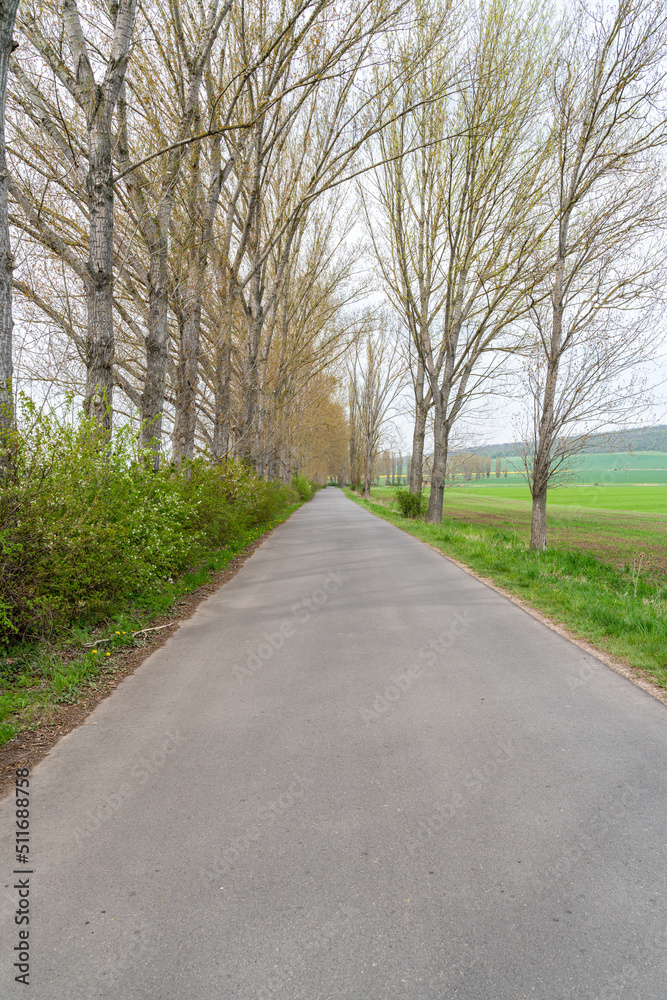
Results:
359 773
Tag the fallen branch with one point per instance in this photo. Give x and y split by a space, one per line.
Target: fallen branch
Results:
156 628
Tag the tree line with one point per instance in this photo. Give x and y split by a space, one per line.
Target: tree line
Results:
178 187
175 188
517 221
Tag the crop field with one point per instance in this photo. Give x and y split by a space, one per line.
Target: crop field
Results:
602 468
624 526
647 499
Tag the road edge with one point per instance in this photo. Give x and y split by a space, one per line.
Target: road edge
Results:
619 666
29 747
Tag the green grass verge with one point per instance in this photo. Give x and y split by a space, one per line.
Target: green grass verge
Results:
35 678
621 612
621 538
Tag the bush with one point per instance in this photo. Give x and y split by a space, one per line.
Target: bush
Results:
409 504
83 528
303 487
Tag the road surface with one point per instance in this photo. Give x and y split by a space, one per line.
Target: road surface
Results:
356 772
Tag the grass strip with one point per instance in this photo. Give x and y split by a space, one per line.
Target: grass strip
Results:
36 678
622 613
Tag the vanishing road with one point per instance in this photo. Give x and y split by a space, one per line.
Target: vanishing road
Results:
356 772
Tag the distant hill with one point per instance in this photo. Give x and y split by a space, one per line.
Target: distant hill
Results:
634 439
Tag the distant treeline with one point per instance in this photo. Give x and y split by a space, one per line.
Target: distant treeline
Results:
635 439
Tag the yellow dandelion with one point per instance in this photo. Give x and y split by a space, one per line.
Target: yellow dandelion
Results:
108 654
94 651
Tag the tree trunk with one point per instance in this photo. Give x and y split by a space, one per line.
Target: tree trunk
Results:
421 413
353 461
183 437
202 211
7 16
248 442
538 527
221 422
417 460
98 398
98 103
440 444
273 466
545 435
368 472
157 350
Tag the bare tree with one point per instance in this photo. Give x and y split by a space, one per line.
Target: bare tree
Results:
177 39
376 379
97 101
310 331
456 195
603 248
340 106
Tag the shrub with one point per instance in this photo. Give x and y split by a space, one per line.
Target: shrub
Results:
409 504
83 528
303 487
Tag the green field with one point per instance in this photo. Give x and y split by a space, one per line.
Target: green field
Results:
601 468
618 524
648 499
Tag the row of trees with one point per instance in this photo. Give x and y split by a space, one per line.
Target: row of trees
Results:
390 466
176 179
177 182
518 219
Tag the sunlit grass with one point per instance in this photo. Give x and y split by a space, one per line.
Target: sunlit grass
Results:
621 609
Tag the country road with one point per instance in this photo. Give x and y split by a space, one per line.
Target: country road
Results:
356 772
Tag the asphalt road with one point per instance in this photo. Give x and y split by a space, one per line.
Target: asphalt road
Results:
356 772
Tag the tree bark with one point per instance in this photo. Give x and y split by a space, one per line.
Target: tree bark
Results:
440 446
222 393
247 445
417 460
98 396
187 372
353 460
7 17
157 343
545 435
538 527
422 406
98 102
368 470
